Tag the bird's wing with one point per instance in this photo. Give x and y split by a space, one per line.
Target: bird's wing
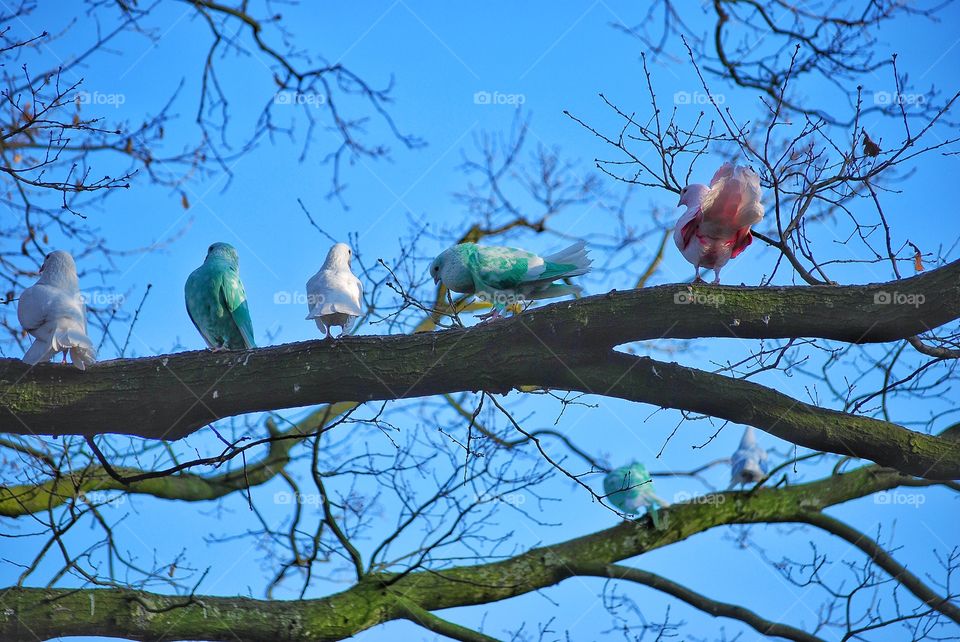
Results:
503 268
751 208
33 307
190 294
612 482
686 227
334 292
732 205
207 337
720 205
737 462
723 172
762 460
234 299
57 319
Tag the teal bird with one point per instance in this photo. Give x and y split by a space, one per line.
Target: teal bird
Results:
217 303
506 275
630 488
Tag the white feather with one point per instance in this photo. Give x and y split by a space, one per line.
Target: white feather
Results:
335 294
52 310
748 465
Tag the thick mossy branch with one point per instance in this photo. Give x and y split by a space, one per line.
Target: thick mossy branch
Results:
566 345
26 499
29 614
672 386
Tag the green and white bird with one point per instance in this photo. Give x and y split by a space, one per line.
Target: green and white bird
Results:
507 275
630 488
217 303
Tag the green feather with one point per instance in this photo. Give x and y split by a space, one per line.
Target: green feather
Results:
217 303
553 271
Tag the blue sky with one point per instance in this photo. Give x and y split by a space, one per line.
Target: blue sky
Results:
556 56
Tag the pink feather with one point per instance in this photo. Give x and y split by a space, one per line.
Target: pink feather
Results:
716 226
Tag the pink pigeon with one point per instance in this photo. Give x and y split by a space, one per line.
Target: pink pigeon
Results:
716 226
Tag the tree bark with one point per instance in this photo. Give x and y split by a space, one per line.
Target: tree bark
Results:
566 345
31 613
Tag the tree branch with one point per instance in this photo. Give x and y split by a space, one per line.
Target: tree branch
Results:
885 561
705 604
26 499
140 615
431 622
188 390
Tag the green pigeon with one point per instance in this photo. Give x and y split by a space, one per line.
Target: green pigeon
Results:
630 488
507 275
217 303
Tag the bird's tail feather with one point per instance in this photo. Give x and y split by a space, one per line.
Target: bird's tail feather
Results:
82 352
572 261
39 352
654 516
552 291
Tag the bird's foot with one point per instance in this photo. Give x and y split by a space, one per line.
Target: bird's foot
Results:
219 349
716 281
698 279
487 317
64 362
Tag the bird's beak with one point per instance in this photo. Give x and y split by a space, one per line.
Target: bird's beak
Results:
436 279
680 202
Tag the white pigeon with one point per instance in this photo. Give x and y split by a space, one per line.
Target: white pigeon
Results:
716 226
749 463
52 310
334 294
